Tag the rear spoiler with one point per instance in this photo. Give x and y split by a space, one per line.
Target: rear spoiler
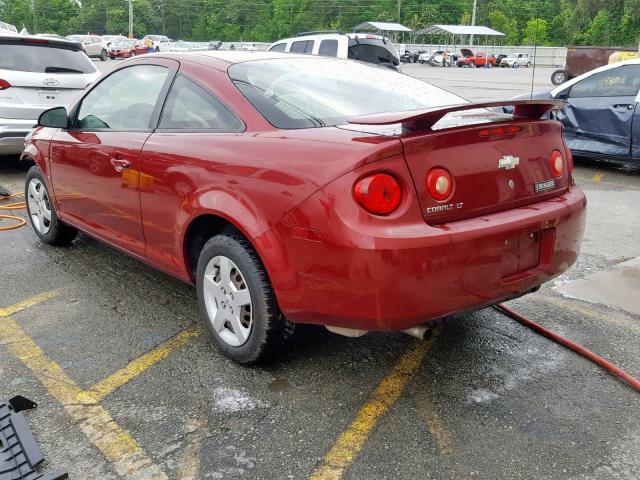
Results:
426 118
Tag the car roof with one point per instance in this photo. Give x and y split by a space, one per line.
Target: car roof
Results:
40 39
236 56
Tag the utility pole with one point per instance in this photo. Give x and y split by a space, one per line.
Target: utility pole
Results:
130 18
473 21
35 21
399 6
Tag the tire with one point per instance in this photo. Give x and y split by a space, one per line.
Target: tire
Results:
472 64
559 76
528 65
52 230
103 55
261 329
133 54
157 49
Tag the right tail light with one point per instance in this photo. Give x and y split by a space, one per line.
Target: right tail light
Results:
4 84
557 163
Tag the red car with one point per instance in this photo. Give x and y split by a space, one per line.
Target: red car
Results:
129 47
301 189
468 59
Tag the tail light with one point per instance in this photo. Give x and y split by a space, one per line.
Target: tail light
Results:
569 160
4 84
439 183
497 131
379 193
557 163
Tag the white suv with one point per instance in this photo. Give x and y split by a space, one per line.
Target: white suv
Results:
36 74
365 47
160 43
515 60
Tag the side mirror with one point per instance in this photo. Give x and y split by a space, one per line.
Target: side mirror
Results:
563 95
54 118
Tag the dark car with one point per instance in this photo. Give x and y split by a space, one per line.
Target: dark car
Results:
600 117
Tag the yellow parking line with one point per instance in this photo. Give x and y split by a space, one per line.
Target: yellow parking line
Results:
140 364
352 440
597 177
128 459
5 312
613 184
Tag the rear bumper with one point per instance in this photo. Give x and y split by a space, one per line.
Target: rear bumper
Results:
12 134
375 282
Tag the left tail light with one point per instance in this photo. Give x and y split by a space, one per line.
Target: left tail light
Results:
4 84
379 193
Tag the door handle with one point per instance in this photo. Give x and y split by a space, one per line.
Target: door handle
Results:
120 164
628 106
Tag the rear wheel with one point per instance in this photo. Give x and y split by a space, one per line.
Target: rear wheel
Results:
528 64
559 76
237 302
133 54
472 64
103 55
42 214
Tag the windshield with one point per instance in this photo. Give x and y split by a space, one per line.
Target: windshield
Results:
77 38
316 92
43 59
125 43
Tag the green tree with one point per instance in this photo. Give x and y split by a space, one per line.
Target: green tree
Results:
509 26
536 32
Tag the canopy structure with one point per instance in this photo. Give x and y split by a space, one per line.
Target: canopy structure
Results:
459 30
381 27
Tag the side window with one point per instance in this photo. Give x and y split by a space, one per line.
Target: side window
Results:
615 82
125 100
190 106
96 39
278 47
328 48
299 47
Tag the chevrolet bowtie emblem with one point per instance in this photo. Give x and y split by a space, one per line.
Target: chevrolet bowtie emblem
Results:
508 162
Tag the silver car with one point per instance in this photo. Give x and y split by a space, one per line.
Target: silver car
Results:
93 45
37 73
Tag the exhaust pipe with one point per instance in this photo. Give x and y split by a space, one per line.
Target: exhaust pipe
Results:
419 331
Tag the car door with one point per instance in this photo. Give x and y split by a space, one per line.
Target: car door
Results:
95 164
196 136
599 113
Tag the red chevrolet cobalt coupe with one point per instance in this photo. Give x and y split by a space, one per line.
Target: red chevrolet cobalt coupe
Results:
298 189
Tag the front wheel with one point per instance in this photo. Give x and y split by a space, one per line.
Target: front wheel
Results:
42 214
237 302
528 65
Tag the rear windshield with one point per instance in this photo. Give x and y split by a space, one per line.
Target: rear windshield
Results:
376 53
317 92
43 59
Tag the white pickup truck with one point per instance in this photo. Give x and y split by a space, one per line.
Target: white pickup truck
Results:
515 60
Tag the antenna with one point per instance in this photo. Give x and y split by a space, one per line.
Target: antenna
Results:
535 57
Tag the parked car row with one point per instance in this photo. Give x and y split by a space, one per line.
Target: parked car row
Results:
445 58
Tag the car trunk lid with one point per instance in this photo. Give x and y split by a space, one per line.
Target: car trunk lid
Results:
496 161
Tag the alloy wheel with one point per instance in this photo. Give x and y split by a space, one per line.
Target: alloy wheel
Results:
228 301
39 206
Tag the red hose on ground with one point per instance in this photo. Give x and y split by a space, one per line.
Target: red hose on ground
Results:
588 354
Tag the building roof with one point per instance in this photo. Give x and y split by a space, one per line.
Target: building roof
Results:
382 27
459 30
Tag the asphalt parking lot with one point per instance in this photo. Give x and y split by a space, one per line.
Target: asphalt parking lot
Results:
129 385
